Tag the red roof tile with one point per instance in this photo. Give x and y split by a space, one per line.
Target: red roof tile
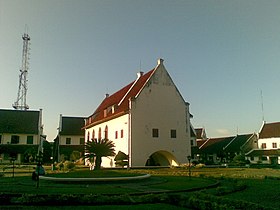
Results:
119 100
211 141
270 130
215 145
199 142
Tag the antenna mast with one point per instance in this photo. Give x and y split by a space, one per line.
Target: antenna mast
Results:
22 88
262 106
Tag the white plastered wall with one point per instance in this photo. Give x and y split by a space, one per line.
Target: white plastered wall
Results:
159 106
121 143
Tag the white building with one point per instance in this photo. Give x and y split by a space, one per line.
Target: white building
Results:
268 145
148 119
20 135
70 137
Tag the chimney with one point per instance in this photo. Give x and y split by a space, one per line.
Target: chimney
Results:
160 61
139 74
107 95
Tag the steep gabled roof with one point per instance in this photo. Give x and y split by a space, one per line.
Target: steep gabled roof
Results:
72 126
200 142
215 145
237 142
118 103
19 122
270 130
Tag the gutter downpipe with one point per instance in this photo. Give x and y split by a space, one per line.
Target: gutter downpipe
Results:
58 142
40 131
129 135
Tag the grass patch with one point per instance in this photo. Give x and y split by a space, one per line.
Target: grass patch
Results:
104 207
85 173
258 189
265 192
182 183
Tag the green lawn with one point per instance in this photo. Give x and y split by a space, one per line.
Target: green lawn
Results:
106 207
262 185
264 191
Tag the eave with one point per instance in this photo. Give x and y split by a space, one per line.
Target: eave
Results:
106 119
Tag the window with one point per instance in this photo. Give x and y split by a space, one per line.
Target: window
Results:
68 140
274 145
82 141
264 158
155 133
116 135
192 143
29 140
121 133
14 139
88 137
106 132
173 134
99 133
0 139
93 134
263 145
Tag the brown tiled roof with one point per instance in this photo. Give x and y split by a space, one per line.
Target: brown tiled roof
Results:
199 142
261 152
238 142
215 145
120 100
270 130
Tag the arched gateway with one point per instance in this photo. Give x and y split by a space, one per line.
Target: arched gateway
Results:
162 158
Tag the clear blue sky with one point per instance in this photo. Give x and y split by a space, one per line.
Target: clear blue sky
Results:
220 54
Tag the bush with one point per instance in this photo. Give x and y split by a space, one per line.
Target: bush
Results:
200 165
69 165
60 166
205 201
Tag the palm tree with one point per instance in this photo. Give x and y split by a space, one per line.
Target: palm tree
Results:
99 148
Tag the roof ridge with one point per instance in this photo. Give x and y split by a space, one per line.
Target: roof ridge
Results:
131 87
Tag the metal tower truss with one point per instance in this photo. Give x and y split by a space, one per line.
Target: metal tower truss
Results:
20 103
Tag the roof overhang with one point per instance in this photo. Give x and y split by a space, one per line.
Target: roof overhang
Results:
105 119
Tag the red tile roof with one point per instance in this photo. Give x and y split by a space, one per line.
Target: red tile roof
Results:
211 141
215 145
199 142
119 101
270 130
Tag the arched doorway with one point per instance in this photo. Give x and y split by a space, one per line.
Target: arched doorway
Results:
161 158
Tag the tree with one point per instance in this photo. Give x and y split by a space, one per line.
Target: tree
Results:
98 148
121 159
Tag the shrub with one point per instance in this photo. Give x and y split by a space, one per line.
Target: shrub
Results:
60 166
200 165
69 165
75 155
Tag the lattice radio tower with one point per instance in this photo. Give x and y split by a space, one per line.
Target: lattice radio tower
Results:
20 103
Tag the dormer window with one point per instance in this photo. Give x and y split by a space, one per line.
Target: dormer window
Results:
113 109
